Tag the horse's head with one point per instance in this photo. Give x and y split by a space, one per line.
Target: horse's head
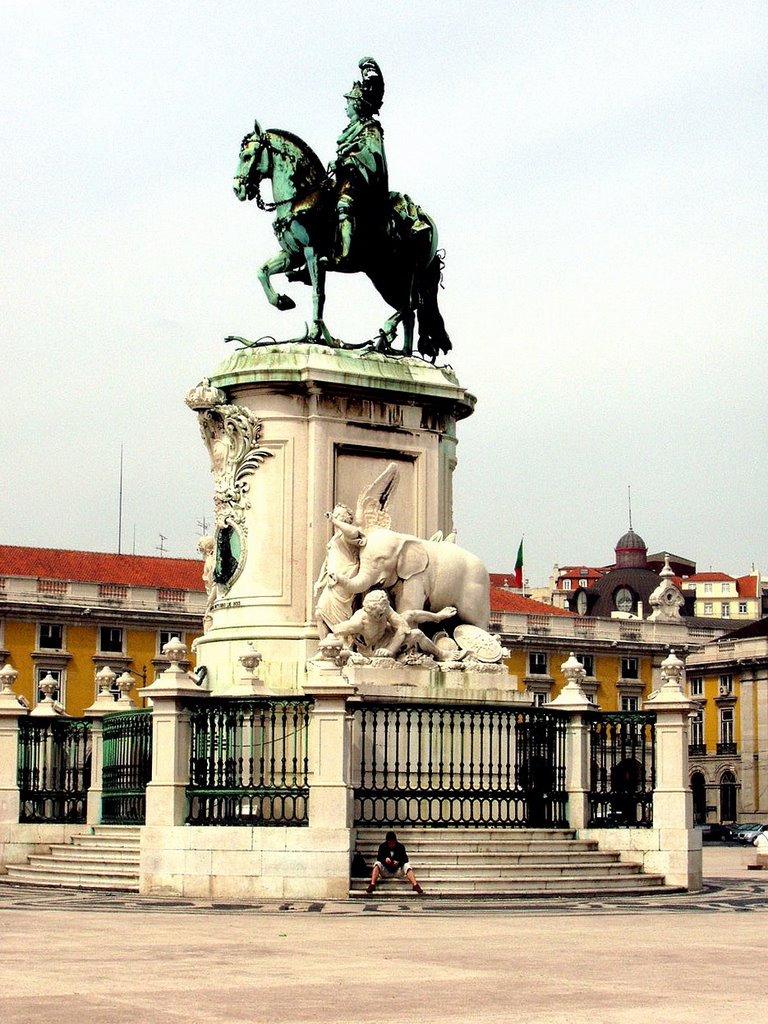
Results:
252 164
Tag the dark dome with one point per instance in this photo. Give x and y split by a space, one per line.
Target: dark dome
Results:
631 551
632 541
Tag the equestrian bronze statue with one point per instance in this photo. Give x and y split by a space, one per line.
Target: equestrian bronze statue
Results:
347 221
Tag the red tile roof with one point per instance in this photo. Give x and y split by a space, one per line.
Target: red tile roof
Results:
100 567
504 601
747 586
709 577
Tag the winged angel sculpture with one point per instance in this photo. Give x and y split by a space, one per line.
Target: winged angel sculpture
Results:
347 221
365 554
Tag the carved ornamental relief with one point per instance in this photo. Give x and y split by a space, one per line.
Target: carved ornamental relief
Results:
231 434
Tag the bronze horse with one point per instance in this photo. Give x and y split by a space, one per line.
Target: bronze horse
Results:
399 253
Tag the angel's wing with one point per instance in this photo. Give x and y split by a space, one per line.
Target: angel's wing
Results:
371 509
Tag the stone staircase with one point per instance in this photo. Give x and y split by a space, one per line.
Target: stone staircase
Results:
103 857
470 863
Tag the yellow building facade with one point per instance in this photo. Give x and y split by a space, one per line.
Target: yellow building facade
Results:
728 682
60 617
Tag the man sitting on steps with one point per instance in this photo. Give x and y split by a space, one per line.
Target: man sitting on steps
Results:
392 860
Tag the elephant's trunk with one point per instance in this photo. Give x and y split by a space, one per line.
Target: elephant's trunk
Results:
359 583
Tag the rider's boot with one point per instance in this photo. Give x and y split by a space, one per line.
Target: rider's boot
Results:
346 228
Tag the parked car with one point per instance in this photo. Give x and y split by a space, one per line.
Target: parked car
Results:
717 833
740 831
749 835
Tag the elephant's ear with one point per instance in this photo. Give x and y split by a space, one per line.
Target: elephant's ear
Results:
413 558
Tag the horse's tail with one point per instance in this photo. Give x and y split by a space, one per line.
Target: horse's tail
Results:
433 337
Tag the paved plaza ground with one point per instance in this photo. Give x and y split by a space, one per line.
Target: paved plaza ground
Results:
91 957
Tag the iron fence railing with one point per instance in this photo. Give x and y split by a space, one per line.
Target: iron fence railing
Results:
622 749
459 765
54 769
126 767
249 762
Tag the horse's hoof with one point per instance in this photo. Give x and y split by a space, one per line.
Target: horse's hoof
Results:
285 302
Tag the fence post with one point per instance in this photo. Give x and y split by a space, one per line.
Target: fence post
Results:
573 699
11 710
103 705
330 795
672 798
167 792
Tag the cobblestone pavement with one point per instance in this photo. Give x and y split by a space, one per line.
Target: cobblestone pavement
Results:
108 958
719 894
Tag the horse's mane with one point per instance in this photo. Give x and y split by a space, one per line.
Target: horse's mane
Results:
315 169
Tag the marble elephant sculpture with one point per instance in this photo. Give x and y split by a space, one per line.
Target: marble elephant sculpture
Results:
422 574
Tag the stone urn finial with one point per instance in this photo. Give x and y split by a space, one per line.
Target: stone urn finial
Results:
175 651
8 677
572 694
672 671
9 699
574 671
125 685
105 678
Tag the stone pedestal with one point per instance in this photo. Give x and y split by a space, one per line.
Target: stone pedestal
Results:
171 743
297 430
330 805
10 713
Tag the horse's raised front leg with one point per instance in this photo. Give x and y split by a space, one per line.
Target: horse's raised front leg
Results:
319 333
279 264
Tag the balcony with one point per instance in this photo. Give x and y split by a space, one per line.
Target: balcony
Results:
697 749
726 748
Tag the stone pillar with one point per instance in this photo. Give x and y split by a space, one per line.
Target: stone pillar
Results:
330 796
166 793
103 705
679 842
11 710
573 699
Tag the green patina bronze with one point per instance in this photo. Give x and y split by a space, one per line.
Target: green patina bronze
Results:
347 221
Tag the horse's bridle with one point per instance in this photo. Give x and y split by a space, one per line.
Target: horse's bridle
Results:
271 207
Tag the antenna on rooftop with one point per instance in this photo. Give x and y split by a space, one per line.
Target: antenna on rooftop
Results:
120 508
161 546
629 503
203 526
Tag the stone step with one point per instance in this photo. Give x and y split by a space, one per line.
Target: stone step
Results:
462 849
27 875
115 830
376 835
44 862
89 854
513 872
524 886
447 860
99 842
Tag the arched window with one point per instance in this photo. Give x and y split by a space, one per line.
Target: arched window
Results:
699 790
727 797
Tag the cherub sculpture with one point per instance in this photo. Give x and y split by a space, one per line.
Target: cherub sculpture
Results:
334 603
377 631
207 548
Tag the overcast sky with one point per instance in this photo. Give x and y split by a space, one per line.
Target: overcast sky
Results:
597 172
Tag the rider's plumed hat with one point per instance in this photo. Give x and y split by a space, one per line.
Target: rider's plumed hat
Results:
370 90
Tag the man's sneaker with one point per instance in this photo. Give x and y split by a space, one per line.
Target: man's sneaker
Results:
417 889
371 888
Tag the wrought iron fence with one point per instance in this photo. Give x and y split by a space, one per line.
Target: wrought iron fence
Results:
249 762
622 769
126 767
459 765
54 769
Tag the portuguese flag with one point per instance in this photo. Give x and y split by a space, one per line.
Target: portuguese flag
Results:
519 567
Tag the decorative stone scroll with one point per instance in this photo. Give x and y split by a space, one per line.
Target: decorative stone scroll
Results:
231 434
